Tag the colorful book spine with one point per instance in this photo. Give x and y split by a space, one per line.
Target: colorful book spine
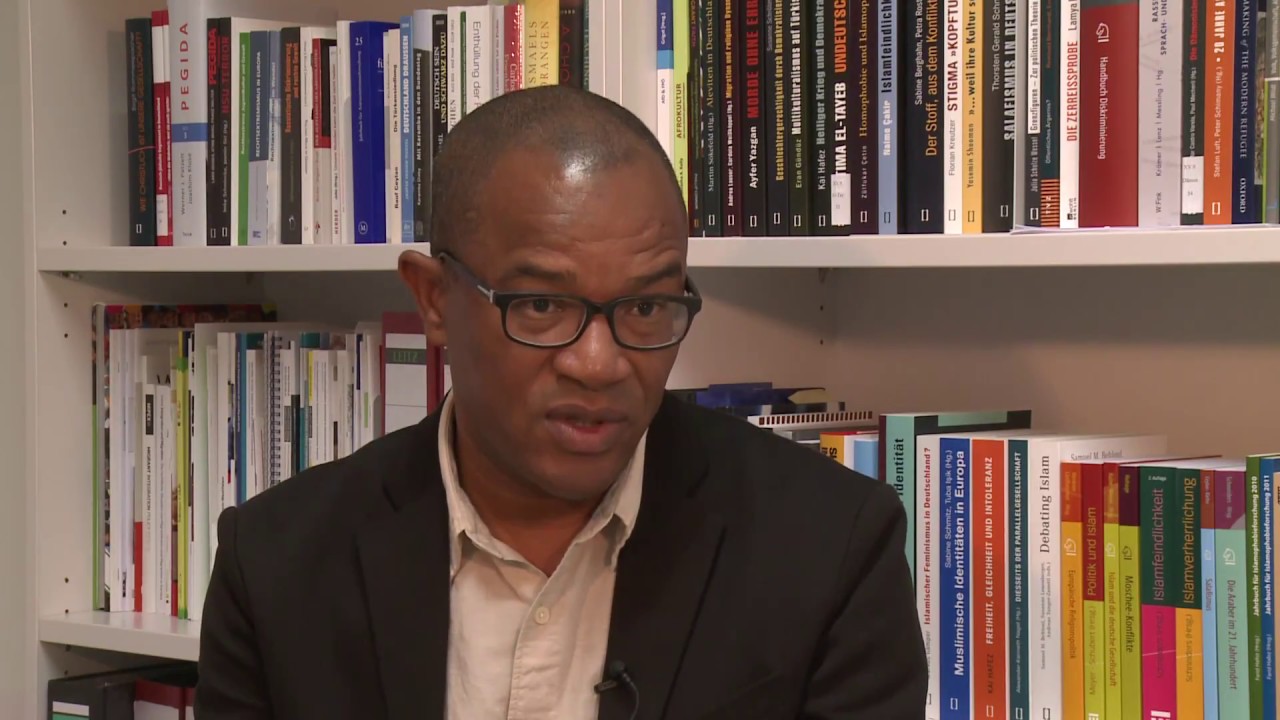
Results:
1019 664
1209 590
1072 497
972 108
664 113
1113 693
1130 593
408 131
1050 120
1162 568
990 681
1184 543
1069 145
1109 120
956 672
1195 108
751 89
679 93
1232 606
1093 606
1219 96
1268 468
1244 202
1254 550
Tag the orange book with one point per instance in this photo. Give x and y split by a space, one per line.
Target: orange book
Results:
1219 109
1072 593
989 601
1094 595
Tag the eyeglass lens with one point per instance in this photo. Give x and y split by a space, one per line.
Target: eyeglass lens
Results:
639 323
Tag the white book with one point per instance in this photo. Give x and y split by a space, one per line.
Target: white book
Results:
1069 147
275 129
1160 161
928 545
392 152
664 113
453 66
337 153
320 180
167 496
160 75
307 174
150 495
346 164
478 64
953 111
498 23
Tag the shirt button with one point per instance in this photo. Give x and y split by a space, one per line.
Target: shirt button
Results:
542 616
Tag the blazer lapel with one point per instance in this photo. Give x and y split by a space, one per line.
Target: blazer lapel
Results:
404 556
663 568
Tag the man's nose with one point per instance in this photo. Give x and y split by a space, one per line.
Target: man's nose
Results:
596 360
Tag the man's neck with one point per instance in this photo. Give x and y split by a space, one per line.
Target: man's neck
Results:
538 526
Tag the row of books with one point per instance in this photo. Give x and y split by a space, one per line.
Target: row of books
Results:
1063 575
200 408
828 117
292 127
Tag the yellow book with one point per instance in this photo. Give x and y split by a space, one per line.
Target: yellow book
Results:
1093 583
838 445
541 49
1189 643
680 102
1111 589
182 439
1130 595
971 116
1072 594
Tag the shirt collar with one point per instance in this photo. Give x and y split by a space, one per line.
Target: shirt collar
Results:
615 515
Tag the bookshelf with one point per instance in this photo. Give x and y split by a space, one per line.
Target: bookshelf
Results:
1162 331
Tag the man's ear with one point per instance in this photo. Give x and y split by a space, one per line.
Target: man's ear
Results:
424 277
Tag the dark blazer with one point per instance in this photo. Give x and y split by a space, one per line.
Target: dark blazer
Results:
762 581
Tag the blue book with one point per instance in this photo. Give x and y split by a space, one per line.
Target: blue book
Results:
887 140
953 585
1269 466
368 131
866 455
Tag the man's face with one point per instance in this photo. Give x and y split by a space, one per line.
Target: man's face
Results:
563 421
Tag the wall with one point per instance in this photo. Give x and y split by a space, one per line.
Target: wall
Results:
16 627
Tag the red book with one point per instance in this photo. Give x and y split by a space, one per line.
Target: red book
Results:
1109 113
160 105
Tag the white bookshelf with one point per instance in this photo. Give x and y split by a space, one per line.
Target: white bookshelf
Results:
1097 330
1081 248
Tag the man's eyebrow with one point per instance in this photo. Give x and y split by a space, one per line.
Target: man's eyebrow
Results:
673 269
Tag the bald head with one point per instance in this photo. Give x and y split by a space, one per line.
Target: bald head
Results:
580 130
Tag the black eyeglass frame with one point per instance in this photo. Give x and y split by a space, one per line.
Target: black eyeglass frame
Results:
691 300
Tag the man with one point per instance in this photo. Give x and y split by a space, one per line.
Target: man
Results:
562 540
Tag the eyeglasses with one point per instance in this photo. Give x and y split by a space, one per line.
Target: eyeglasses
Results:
554 320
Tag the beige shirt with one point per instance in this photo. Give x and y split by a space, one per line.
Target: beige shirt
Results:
523 645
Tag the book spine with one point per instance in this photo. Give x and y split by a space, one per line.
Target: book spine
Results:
972 113
799 99
1219 90
953 163
695 197
1001 126
1161 118
898 443
712 123
990 681
775 100
1232 605
189 120
754 203
1209 592
1195 106
819 131
1109 121
888 117
259 134
1033 100
1093 584
1019 663
1162 566
1069 146
541 49
679 94
955 676
572 49
1050 113
423 34
1073 686
1253 580
408 129
391 179
1113 691
440 97
1188 613
1130 594
730 148
1267 508
927 561
274 126
1269 124
866 145
1244 202
291 195
142 144
160 106
921 147
842 75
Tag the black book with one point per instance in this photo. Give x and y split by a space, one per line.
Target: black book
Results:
730 96
422 118
696 198
291 136
777 194
866 138
799 96
819 133
711 124
142 133
754 143
439 92
839 129
922 114
999 117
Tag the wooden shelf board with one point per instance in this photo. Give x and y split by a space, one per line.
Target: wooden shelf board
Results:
1078 248
137 633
